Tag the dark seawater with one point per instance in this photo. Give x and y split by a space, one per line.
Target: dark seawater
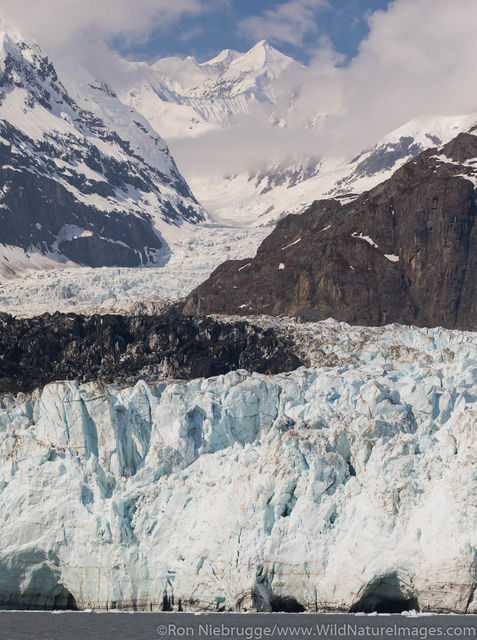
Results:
19 625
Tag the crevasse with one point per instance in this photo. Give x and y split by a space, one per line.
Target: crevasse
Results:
344 487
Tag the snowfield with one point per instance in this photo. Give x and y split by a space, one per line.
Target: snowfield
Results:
347 485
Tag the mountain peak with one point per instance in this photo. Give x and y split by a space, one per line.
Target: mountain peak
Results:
263 44
260 56
269 50
5 29
11 36
8 37
222 59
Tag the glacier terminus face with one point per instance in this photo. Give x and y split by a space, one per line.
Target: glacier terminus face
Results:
349 484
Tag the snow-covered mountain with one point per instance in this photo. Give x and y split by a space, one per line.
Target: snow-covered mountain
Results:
197 253
347 485
291 185
83 177
185 98
403 252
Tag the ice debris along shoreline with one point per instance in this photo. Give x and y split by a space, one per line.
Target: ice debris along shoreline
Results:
328 488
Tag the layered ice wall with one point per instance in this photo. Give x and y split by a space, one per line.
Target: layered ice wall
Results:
343 487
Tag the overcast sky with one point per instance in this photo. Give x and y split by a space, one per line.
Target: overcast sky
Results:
371 64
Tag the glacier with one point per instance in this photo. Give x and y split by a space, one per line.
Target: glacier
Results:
195 252
348 484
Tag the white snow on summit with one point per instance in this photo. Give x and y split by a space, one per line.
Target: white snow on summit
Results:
228 74
185 98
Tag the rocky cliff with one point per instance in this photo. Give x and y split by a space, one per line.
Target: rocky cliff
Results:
403 252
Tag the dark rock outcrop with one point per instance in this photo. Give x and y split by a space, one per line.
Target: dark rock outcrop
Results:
37 210
406 251
114 348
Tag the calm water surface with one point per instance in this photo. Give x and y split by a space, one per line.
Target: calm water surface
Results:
19 625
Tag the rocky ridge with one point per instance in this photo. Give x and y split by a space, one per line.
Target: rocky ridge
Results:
83 178
402 252
114 348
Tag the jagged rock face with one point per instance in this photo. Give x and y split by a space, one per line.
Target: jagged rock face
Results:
82 176
39 350
403 252
37 211
334 488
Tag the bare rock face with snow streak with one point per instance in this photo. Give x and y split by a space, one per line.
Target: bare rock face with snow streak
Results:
82 177
330 488
403 252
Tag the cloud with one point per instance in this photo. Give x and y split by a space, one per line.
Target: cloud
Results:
417 60
288 23
234 150
84 34
55 23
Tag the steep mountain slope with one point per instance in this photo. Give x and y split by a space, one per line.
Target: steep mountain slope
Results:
292 184
83 177
403 252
